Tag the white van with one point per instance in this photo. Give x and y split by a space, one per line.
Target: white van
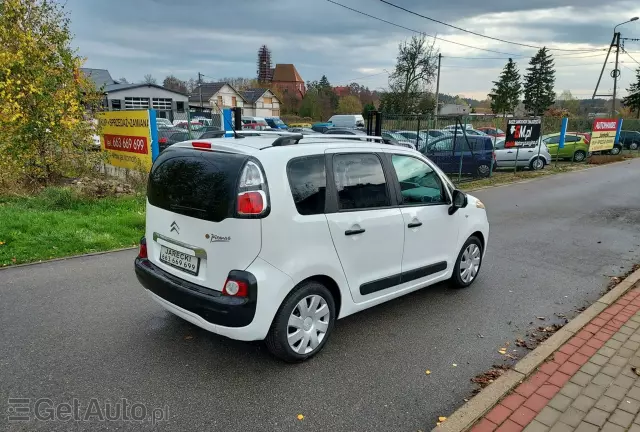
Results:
347 121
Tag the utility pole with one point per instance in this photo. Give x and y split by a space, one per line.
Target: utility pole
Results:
435 111
200 87
616 74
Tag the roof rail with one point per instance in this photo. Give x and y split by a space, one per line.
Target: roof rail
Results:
287 140
350 137
250 132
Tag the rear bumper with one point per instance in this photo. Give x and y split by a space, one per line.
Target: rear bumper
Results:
204 305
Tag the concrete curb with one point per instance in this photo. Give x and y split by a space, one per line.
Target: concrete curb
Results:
469 413
67 258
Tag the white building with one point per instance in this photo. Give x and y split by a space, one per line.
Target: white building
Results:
453 109
167 103
259 102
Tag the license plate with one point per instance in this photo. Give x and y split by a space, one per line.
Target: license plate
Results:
180 260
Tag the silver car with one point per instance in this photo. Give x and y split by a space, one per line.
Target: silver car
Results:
532 156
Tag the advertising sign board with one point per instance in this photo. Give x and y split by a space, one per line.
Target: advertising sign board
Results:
521 132
130 138
603 134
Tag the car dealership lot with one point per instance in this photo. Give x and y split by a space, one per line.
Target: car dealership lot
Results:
84 327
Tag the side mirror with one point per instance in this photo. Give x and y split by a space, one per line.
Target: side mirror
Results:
459 201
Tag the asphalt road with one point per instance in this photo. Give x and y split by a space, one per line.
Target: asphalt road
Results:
84 328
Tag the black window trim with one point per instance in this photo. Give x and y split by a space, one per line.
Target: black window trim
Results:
327 195
398 191
332 198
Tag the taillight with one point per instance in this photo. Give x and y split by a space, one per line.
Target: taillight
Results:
251 203
235 288
162 141
142 252
494 156
201 145
252 191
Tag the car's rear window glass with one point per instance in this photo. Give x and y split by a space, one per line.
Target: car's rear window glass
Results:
195 183
308 182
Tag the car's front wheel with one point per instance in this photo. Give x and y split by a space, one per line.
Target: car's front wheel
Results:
468 263
303 323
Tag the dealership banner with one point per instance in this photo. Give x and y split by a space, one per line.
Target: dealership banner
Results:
521 132
604 133
130 138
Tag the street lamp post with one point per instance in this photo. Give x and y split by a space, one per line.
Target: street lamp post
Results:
616 71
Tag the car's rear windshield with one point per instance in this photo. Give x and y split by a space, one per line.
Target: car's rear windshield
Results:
195 183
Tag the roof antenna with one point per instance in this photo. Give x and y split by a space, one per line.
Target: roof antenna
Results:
229 123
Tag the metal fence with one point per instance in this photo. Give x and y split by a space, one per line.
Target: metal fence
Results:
455 145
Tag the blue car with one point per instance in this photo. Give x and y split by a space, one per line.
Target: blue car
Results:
475 154
321 127
276 123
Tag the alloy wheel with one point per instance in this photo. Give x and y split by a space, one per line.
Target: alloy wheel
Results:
470 263
538 164
615 151
633 146
308 324
578 156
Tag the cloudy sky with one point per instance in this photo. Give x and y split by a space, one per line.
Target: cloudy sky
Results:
219 38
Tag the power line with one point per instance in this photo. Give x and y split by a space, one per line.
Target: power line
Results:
478 34
630 56
420 32
564 56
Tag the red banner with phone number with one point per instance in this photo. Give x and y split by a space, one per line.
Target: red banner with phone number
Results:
131 144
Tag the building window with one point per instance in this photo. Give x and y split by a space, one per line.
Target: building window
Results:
234 101
275 113
267 100
162 104
132 103
180 107
220 101
115 104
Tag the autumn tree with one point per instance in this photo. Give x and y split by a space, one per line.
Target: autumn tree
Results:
175 84
46 103
538 83
415 70
632 101
149 79
567 102
349 105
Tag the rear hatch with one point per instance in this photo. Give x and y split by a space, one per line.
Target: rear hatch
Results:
194 230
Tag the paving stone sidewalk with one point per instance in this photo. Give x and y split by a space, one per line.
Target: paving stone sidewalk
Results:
588 384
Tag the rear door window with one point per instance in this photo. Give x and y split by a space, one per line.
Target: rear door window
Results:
360 181
308 182
194 183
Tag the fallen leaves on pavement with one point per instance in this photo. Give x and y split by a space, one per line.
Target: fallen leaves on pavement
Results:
300 417
486 378
428 372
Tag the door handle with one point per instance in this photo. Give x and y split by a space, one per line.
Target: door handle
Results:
530 151
414 225
354 231
509 151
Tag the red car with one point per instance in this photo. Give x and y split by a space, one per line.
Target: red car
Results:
491 131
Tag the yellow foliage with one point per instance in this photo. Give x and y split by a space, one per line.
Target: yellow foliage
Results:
45 102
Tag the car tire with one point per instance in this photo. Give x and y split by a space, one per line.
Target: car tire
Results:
616 150
537 164
579 156
471 253
484 170
634 146
312 295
